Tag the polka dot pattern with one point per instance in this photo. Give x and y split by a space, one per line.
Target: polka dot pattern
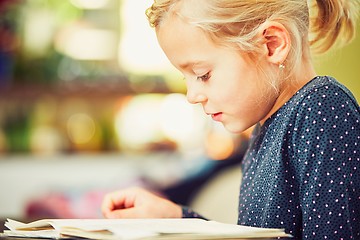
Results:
301 170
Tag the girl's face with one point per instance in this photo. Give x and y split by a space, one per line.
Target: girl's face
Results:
226 83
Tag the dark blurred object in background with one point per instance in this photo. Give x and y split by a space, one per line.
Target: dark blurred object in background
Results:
8 39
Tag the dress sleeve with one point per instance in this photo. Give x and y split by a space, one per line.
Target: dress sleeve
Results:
327 156
189 213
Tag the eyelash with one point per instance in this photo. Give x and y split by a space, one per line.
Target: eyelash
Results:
204 77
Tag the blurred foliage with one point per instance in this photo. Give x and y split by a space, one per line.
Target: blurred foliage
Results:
20 65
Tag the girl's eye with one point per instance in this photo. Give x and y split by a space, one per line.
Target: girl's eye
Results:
204 77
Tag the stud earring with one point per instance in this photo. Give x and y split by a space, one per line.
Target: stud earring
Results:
281 66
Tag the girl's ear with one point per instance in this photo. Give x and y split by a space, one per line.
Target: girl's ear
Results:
276 42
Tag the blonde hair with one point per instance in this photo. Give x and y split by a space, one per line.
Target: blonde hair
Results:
333 20
237 22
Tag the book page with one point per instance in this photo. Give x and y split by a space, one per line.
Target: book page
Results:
144 228
163 226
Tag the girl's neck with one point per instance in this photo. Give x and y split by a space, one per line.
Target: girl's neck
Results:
291 86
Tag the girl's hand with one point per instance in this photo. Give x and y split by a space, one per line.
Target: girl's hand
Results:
138 203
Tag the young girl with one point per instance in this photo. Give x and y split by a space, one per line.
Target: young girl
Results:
248 63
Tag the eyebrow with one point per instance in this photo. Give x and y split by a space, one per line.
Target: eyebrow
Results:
190 64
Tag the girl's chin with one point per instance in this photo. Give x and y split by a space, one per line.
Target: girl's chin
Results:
235 128
232 128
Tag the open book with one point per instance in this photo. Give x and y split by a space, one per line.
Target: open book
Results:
109 229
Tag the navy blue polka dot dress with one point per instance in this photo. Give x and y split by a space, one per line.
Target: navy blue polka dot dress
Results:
302 169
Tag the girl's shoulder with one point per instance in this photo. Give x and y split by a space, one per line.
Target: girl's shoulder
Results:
323 103
322 97
323 89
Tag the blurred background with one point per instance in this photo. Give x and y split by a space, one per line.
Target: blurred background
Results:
89 104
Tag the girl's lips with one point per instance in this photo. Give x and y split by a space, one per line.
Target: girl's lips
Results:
217 116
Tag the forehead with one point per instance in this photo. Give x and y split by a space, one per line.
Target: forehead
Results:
183 42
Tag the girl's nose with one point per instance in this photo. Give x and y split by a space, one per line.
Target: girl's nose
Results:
194 94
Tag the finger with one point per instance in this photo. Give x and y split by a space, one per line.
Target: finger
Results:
119 200
112 201
124 213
